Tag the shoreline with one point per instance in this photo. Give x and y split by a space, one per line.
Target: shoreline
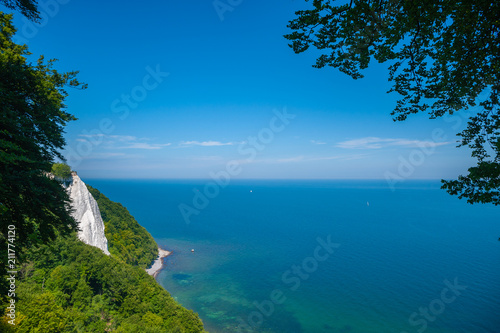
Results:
158 263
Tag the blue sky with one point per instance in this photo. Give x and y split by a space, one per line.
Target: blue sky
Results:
178 90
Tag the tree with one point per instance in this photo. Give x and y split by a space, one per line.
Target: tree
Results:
127 239
32 119
444 58
27 7
44 315
61 170
32 124
71 286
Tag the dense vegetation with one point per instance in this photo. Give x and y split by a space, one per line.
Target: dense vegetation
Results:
127 240
61 170
32 120
62 284
443 56
68 286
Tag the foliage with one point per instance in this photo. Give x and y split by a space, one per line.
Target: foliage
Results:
69 286
127 239
482 185
5 327
444 57
27 7
31 133
32 118
61 170
64 285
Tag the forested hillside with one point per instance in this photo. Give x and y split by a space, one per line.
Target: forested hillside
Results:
50 281
69 286
127 240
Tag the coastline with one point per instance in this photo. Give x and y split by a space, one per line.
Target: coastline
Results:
158 263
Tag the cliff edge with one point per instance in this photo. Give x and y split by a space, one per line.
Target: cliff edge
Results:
86 213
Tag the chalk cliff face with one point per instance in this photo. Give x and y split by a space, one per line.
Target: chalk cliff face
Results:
87 214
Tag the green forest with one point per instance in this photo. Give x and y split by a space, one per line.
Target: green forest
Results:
128 241
69 286
50 280
441 61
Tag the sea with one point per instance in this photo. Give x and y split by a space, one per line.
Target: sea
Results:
313 256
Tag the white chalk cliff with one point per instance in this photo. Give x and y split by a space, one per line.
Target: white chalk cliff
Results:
87 214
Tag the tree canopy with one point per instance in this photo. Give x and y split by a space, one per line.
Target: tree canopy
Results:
61 170
127 239
28 8
69 286
444 57
32 120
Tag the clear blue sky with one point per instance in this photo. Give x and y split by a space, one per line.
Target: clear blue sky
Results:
228 76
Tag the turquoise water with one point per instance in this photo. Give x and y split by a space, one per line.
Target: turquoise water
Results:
410 260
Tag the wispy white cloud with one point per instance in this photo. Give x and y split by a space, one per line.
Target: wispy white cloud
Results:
326 158
124 137
318 142
207 143
112 156
206 158
143 145
102 136
301 158
378 143
92 135
290 160
120 141
108 155
354 157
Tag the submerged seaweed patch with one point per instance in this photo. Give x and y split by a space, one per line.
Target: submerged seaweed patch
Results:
181 276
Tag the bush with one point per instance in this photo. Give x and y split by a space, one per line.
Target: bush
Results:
61 170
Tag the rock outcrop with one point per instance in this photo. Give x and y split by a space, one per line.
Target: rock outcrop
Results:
86 213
